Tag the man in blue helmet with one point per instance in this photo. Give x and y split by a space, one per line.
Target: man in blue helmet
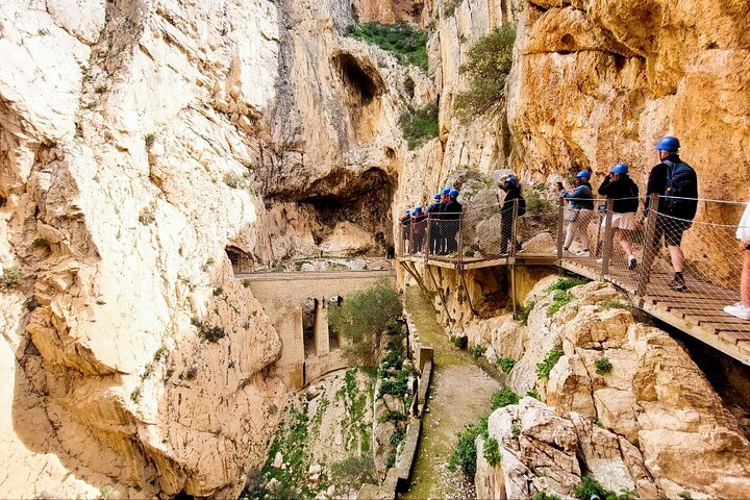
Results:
419 223
442 244
451 219
618 186
580 212
433 219
677 185
512 192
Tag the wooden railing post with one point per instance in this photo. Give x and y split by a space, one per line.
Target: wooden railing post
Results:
608 236
648 246
560 236
428 241
411 236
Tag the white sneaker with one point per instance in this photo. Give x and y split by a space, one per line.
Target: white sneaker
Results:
738 311
600 261
583 253
631 262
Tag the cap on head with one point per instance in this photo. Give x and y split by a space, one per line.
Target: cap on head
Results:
436 197
669 144
619 169
453 193
584 175
447 191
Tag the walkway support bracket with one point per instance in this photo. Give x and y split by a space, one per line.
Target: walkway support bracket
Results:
560 236
608 231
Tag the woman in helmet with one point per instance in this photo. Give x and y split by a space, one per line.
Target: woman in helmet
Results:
419 223
618 186
580 213
512 192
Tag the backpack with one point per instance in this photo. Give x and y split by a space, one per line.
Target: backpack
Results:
682 182
521 206
631 203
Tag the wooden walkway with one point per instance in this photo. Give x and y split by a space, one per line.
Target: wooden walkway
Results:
697 312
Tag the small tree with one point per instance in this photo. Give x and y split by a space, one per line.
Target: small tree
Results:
490 60
362 318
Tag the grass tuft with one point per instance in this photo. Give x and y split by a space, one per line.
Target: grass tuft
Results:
544 368
407 43
419 125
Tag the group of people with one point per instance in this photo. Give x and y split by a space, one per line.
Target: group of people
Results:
443 215
672 179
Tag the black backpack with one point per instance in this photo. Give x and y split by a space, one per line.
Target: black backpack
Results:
521 206
682 182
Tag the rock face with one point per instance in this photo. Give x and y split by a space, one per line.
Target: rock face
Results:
664 430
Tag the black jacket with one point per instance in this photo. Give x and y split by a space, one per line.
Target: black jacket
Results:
434 209
657 184
624 191
513 193
452 210
406 220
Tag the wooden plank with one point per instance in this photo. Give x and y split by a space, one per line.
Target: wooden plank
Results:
734 337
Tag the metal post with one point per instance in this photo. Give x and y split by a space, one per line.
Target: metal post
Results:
513 231
648 247
460 240
513 289
607 238
428 242
560 237
411 235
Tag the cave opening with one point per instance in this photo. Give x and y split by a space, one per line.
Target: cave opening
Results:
362 82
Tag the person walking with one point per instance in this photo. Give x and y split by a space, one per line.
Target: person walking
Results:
443 241
512 192
433 219
451 218
677 185
742 308
580 212
419 221
618 186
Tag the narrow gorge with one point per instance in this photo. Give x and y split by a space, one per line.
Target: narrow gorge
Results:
208 291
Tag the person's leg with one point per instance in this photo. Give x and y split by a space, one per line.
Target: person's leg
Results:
583 231
678 259
569 236
745 281
622 237
505 227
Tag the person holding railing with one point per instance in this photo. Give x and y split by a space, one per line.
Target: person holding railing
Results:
512 193
419 223
451 217
443 240
580 213
742 308
618 186
677 185
405 225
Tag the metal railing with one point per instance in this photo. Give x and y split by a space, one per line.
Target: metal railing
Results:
631 249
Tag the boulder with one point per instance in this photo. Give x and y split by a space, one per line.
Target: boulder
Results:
348 239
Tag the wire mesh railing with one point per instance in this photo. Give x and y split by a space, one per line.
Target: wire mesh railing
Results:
638 248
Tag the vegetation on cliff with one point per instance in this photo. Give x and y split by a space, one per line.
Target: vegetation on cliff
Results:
490 60
419 125
407 43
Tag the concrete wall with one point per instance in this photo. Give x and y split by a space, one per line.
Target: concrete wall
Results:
282 296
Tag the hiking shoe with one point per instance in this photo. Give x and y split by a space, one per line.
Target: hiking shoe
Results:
678 285
632 263
738 311
583 253
600 261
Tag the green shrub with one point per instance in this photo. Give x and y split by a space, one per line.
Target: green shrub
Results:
149 140
397 387
506 364
407 43
590 488
210 333
533 394
397 437
419 125
603 365
41 243
612 304
362 318
544 368
523 313
491 452
460 341
464 455
563 284
135 396
559 300
503 398
477 351
541 495
393 358
490 60
10 277
450 7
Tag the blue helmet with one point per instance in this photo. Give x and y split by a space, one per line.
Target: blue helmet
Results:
669 144
511 180
620 169
447 191
436 197
417 210
408 211
584 175
453 193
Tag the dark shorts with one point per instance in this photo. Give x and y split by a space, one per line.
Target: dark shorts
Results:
671 229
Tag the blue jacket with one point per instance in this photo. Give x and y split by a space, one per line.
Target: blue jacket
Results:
581 197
